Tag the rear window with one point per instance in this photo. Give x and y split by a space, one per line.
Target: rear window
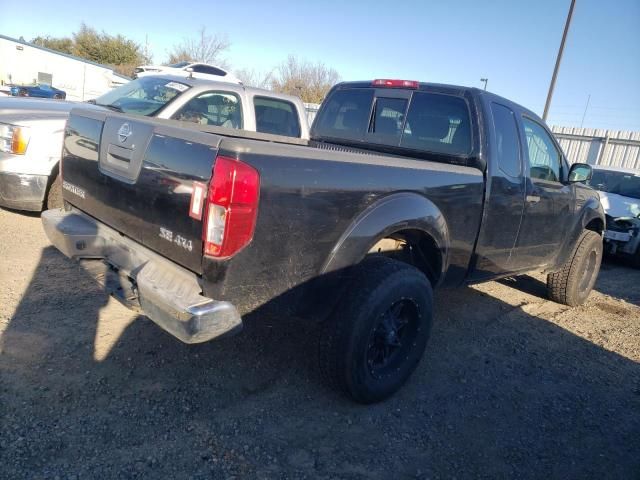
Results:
388 116
276 116
430 122
438 123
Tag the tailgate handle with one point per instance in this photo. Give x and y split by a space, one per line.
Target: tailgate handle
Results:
119 154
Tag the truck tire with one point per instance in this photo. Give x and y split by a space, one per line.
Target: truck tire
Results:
573 283
54 195
378 333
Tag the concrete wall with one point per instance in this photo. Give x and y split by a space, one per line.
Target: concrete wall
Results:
21 63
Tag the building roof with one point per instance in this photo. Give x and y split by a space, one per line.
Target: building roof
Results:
73 57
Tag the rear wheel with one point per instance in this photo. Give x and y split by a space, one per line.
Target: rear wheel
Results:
378 333
54 196
574 282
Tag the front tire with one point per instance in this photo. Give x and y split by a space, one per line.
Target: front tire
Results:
573 283
378 333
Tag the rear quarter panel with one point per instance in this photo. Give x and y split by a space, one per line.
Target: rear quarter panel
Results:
309 198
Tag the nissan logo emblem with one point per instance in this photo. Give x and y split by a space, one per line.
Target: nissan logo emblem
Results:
124 132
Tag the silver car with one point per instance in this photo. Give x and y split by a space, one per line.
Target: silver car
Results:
31 130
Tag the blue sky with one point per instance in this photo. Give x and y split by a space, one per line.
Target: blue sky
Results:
513 43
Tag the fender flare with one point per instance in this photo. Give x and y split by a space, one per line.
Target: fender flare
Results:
393 213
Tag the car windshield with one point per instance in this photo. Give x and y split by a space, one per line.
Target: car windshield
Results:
621 183
179 64
142 96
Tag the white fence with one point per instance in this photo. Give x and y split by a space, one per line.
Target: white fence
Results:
600 147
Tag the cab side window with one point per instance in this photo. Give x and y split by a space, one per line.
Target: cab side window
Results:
507 141
544 157
218 109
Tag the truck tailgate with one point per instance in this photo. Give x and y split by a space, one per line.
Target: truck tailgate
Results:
139 176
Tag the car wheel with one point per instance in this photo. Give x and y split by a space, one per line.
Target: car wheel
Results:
57 96
378 333
54 196
573 283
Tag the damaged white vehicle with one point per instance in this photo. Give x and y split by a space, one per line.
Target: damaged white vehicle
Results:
619 190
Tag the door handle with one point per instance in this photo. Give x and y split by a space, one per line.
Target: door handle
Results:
532 198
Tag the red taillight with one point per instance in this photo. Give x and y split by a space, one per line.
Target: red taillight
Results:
384 82
232 207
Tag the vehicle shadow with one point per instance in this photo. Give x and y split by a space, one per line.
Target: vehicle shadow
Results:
501 393
25 213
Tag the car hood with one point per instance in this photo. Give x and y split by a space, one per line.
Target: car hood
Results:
619 206
20 111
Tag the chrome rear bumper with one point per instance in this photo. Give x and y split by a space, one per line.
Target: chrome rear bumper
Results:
165 292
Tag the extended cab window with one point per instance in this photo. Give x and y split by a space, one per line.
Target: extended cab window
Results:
544 158
507 143
438 123
218 109
276 116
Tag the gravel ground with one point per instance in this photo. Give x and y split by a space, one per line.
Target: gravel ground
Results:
511 386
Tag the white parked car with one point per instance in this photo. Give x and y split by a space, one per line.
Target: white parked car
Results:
188 69
619 190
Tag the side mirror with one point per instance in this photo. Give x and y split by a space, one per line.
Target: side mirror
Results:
580 172
190 70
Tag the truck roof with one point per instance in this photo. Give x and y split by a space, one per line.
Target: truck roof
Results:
450 89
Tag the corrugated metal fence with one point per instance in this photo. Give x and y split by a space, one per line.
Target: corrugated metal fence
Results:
587 145
600 147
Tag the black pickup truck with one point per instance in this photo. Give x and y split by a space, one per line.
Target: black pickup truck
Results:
403 186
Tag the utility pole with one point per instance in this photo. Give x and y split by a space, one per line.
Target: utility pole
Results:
485 80
558 59
585 110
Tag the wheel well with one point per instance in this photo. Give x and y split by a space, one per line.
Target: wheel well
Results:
596 225
414 247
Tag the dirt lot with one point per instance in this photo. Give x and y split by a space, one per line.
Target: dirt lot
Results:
512 386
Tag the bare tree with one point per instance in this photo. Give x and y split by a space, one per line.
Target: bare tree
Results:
254 78
204 48
309 81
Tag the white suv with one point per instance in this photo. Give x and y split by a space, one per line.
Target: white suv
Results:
187 69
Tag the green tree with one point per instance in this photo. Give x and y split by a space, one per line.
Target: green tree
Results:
105 48
62 44
116 51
